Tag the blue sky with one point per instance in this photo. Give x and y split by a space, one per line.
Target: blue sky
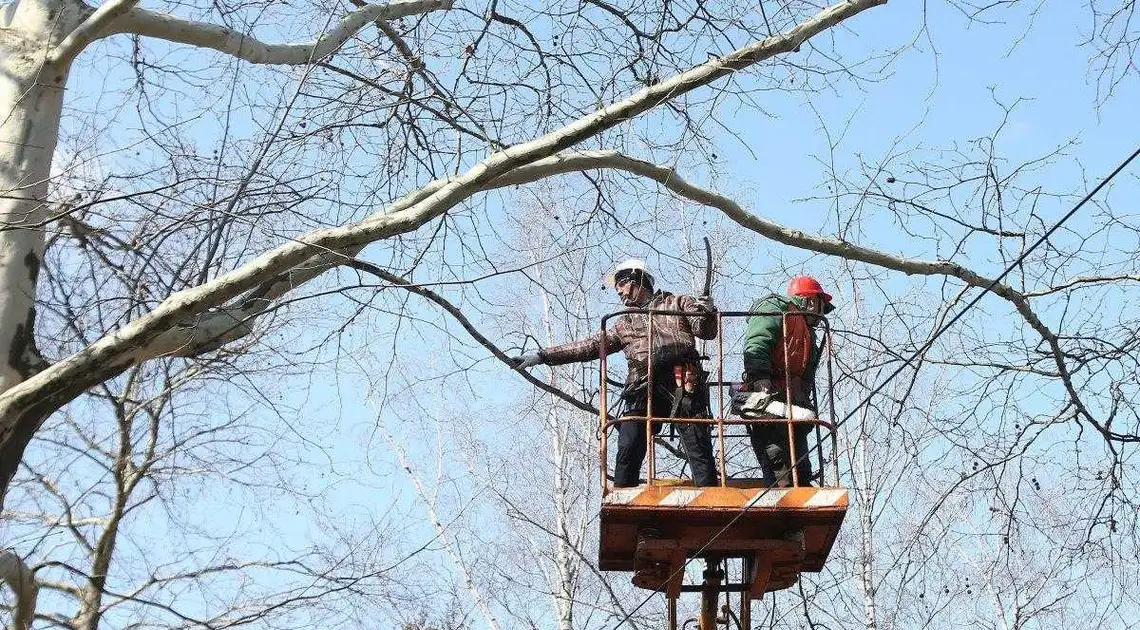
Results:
937 95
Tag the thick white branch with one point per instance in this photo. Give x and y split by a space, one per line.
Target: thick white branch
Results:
22 581
207 332
89 30
669 178
222 39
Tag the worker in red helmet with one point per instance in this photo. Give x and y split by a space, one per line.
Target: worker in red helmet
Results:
781 355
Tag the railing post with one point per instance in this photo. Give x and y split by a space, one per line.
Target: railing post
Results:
720 397
603 410
831 402
793 461
819 445
649 449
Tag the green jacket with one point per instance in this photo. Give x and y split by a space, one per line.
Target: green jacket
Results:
763 334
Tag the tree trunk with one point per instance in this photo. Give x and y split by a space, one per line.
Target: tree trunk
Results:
565 562
866 534
31 100
91 604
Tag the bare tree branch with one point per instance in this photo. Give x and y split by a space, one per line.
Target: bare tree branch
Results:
222 39
456 313
89 30
669 178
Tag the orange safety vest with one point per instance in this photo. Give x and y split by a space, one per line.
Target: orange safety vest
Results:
791 357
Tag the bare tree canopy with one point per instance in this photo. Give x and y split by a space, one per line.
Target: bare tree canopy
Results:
263 264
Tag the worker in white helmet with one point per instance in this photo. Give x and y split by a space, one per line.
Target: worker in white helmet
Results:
679 388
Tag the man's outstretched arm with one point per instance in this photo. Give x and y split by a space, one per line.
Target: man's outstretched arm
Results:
587 349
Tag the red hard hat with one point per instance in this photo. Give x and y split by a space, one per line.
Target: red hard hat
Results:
807 286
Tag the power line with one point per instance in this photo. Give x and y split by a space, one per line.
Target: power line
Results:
926 346
991 285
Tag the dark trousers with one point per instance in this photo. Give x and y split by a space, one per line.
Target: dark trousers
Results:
770 442
696 439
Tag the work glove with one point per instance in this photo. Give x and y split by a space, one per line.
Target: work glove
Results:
526 361
750 399
706 303
759 386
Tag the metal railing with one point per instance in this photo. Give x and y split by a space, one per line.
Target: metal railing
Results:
720 419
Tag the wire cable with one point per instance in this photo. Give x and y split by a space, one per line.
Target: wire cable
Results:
993 283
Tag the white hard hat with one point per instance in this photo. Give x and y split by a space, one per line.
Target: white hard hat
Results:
633 266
